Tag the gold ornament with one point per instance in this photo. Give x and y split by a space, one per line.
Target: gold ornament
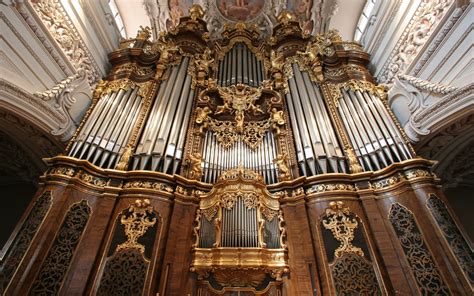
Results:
136 224
195 168
342 226
123 163
283 170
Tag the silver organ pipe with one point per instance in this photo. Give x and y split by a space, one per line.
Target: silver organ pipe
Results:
240 65
317 148
106 133
160 147
372 132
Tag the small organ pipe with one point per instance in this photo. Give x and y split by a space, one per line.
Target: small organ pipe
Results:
238 62
245 64
94 128
354 135
116 123
392 127
179 151
95 114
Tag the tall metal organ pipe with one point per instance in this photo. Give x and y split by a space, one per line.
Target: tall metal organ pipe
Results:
317 148
376 139
240 65
106 133
160 147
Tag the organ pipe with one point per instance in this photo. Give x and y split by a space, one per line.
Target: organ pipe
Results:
317 148
160 147
373 134
240 65
108 129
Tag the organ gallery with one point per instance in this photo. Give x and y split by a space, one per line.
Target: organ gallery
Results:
243 164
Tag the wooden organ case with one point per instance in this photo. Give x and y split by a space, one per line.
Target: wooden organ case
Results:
238 166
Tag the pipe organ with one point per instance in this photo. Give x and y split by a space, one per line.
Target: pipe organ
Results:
238 165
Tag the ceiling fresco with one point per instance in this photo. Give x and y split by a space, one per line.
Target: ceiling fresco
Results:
315 16
240 10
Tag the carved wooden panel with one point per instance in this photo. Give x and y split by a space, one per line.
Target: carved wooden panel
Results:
130 251
346 249
58 260
22 241
425 271
453 236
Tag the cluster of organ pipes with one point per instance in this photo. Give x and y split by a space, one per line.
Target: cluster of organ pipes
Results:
240 65
371 131
239 226
373 134
218 159
317 148
105 135
161 144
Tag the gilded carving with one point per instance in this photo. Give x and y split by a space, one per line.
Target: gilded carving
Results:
125 158
138 184
60 170
140 217
90 179
354 165
342 225
195 166
330 187
281 161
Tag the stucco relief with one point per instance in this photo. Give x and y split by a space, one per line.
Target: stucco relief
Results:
423 24
56 20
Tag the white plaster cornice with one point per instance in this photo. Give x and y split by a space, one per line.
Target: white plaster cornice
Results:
56 119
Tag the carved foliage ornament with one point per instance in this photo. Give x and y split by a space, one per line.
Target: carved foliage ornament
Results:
140 217
342 224
354 275
351 271
252 134
58 23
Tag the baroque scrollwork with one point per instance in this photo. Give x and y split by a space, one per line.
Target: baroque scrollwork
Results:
354 275
339 221
424 268
226 132
55 18
139 218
